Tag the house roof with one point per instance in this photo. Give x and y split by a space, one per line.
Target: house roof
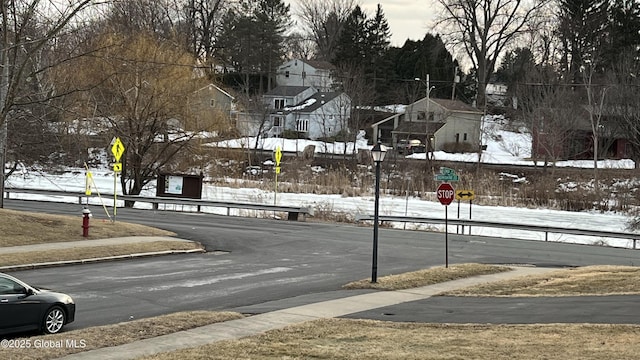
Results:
320 64
317 64
312 103
455 105
224 92
286 90
417 127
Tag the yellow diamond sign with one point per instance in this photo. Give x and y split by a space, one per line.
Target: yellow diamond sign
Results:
117 149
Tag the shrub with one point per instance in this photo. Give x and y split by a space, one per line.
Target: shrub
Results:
460 147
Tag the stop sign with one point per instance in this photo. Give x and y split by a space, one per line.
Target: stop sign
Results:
445 193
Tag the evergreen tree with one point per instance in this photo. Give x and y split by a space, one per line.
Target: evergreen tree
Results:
582 26
253 38
353 44
363 45
623 31
515 66
429 56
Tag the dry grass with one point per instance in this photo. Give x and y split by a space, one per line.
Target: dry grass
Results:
93 252
589 280
26 228
364 339
118 334
426 277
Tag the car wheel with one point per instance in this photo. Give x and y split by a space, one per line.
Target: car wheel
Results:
54 320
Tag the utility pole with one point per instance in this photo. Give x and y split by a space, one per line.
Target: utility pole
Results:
456 79
427 115
4 89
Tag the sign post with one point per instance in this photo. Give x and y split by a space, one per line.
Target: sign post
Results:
446 194
465 195
117 149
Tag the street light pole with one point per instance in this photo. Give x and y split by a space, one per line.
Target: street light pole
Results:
427 138
377 153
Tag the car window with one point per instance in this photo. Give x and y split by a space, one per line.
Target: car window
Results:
8 286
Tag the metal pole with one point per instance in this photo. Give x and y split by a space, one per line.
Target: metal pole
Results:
470 205
374 266
446 236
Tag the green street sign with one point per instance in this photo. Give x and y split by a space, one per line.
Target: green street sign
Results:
447 177
446 174
447 171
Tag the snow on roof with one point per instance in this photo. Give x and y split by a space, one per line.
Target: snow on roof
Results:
304 104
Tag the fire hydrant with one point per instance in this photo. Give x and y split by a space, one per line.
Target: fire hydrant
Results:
86 213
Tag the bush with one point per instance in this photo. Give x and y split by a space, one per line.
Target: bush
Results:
460 147
292 134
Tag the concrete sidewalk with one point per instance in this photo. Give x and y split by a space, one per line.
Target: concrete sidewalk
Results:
257 324
90 243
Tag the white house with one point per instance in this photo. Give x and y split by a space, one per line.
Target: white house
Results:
306 73
303 110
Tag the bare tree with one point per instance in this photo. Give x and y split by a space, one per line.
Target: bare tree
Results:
485 29
323 21
141 86
549 108
133 16
623 100
19 45
362 95
204 24
595 105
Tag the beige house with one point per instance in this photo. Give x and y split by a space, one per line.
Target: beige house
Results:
211 108
448 125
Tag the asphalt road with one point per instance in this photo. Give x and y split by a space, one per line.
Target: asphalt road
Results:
252 262
619 309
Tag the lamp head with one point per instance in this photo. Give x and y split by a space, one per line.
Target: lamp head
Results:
378 152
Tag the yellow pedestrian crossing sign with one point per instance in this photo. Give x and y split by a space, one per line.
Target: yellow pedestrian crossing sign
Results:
277 155
117 167
117 149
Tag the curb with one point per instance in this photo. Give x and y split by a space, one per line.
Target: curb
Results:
94 260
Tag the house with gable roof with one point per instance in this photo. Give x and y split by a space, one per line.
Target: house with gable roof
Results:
440 124
311 113
300 72
211 106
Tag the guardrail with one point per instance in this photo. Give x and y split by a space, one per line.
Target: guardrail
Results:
478 223
293 212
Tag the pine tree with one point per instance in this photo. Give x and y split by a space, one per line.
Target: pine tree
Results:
623 31
582 31
353 43
253 38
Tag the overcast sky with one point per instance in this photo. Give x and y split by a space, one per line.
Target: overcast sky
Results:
408 19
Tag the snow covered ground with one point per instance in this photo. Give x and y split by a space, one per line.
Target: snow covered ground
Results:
502 147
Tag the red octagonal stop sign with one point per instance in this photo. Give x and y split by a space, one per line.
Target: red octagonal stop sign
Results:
445 193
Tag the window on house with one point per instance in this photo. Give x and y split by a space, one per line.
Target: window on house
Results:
302 125
212 102
278 104
422 115
457 138
277 121
304 74
286 74
464 137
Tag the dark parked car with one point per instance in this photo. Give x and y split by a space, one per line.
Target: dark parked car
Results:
27 308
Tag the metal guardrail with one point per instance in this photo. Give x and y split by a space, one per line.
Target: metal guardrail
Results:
537 228
293 212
